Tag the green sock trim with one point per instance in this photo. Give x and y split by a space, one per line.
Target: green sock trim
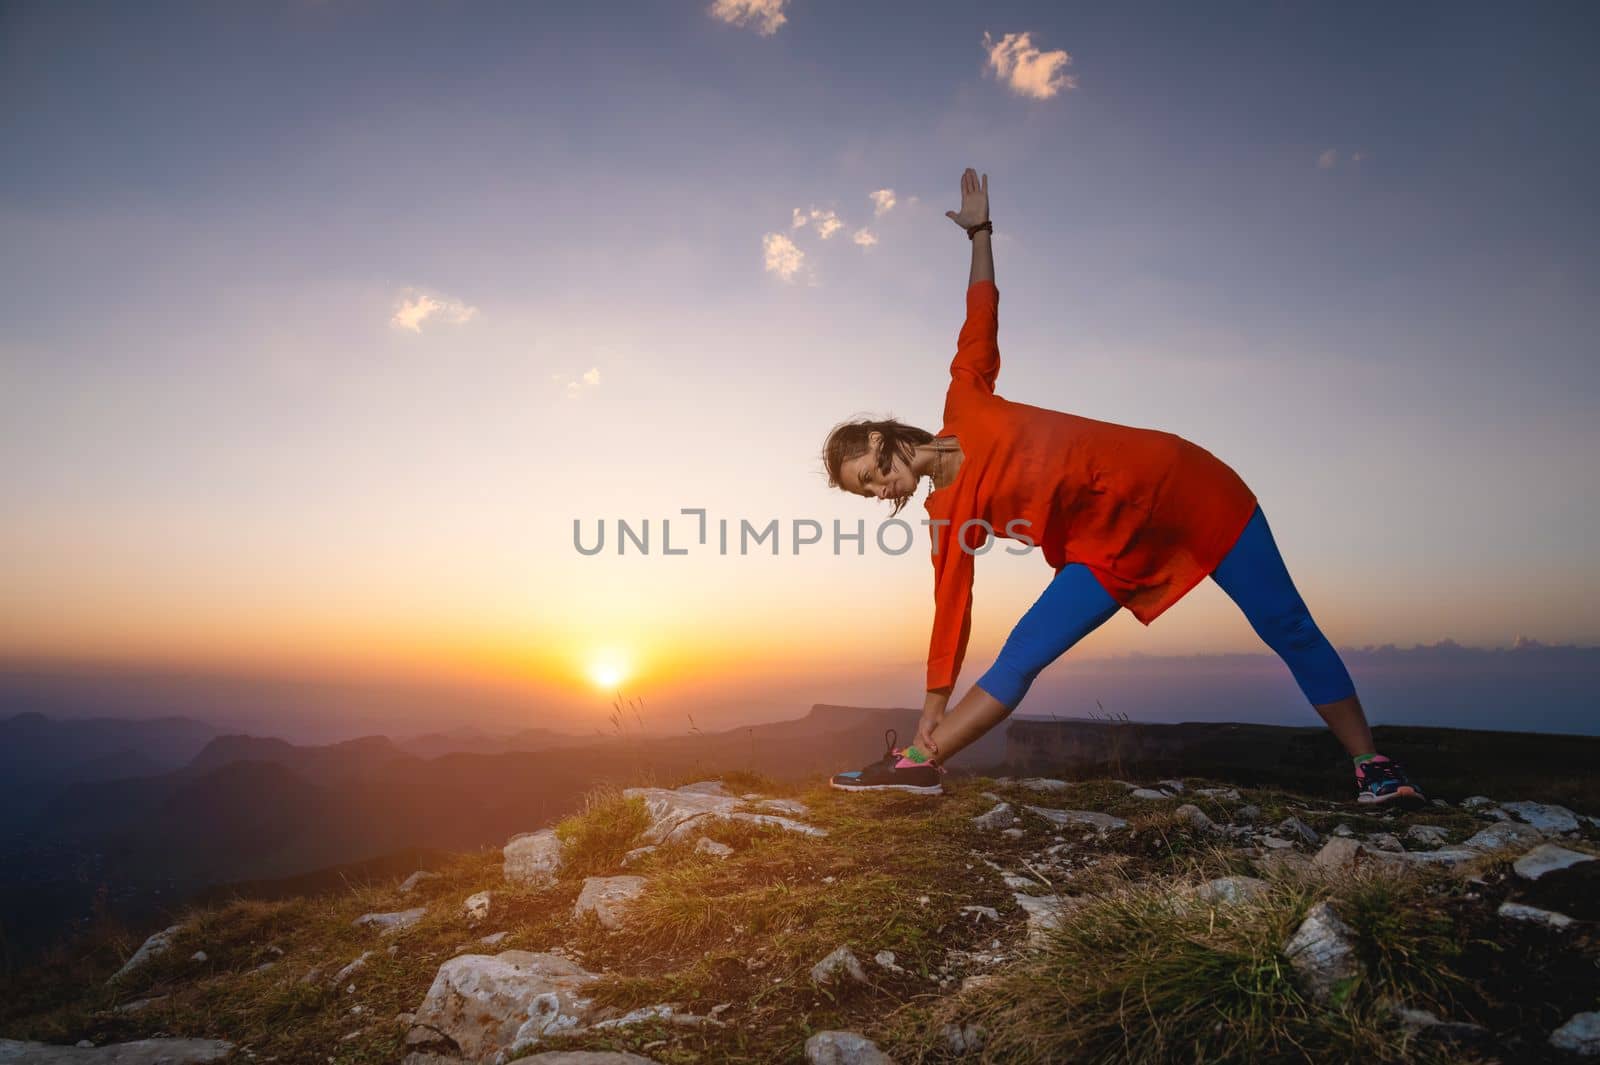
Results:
1358 759
914 754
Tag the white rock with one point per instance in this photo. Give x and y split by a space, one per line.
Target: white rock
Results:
1225 794
153 947
1343 831
707 845
1295 828
680 813
1276 843
350 970
1428 834
1386 841
1476 802
1448 856
607 897
1548 858
489 1006
476 907
1099 821
416 878
140 1052
1044 784
1174 786
1321 950
637 853
792 807
844 1048
391 922
1545 817
999 817
1045 913
533 858
1231 890
200 956
1516 911
964 1038
1018 882
1504 834
1196 817
494 939
1148 793
703 787
1338 854
840 964
1012 833
1416 1022
980 913
660 1012
1580 1035
886 960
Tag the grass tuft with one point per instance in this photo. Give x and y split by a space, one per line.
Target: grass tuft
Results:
594 840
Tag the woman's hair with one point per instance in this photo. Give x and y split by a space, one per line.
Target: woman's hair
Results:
847 440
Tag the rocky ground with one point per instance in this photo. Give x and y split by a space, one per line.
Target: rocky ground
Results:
1011 920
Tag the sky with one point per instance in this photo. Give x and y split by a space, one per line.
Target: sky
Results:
324 323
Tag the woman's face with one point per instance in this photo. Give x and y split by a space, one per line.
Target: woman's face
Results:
861 475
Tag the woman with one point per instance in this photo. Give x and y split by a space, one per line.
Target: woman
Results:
1126 517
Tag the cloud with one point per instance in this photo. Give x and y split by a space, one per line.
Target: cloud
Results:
825 221
1028 71
1330 158
882 202
576 386
864 237
418 307
763 16
781 256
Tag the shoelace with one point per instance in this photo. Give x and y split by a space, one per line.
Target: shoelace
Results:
1373 772
893 754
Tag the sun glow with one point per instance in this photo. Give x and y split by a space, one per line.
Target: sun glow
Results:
608 669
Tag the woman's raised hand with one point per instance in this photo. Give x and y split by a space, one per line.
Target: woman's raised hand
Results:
974 200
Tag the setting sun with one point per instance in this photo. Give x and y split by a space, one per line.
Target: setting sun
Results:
608 669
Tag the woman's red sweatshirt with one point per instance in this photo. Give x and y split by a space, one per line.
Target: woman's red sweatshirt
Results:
1148 512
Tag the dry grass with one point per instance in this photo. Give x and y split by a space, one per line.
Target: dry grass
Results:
1128 977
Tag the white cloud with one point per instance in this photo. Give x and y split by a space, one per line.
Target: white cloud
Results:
1328 159
882 202
864 237
781 256
576 386
415 307
763 16
1028 71
825 221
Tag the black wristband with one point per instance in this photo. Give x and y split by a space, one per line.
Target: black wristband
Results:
981 227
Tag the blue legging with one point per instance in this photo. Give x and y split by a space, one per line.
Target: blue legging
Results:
1253 575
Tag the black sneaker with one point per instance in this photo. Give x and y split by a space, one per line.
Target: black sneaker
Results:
892 773
1383 780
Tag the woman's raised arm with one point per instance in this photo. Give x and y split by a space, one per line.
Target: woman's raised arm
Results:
975 211
978 347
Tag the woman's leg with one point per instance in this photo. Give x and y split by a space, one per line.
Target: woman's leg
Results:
1255 577
1072 606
